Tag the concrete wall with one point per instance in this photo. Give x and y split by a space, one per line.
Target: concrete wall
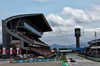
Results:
21 44
6 37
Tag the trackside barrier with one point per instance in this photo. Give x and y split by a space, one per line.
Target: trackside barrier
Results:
47 60
58 59
43 60
39 60
25 61
54 59
51 59
33 60
14 61
30 61
20 61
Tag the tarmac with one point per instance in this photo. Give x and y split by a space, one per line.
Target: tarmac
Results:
81 61
52 63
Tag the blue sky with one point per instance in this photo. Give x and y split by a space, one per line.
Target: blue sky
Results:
14 7
63 16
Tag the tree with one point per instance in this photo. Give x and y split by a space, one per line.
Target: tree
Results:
55 49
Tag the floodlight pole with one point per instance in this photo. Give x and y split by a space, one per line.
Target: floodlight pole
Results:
96 42
95 36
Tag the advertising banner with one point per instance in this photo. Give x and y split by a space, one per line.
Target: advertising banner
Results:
4 51
25 61
54 59
7 51
14 61
51 59
16 42
30 61
0 51
47 60
39 60
14 51
17 50
11 51
20 50
44 60
35 60
20 61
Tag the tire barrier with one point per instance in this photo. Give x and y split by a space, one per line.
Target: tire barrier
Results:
33 60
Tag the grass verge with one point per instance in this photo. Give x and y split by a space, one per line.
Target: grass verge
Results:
63 58
88 59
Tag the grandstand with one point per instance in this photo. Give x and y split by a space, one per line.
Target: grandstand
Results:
24 32
93 50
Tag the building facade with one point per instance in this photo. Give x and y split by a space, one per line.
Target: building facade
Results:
24 31
94 49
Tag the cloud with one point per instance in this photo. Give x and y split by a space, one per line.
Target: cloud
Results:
56 20
91 31
63 28
76 14
43 0
96 7
81 16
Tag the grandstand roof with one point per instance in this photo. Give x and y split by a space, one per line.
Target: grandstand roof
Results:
38 19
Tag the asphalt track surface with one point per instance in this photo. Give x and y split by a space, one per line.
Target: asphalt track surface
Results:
81 61
53 63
